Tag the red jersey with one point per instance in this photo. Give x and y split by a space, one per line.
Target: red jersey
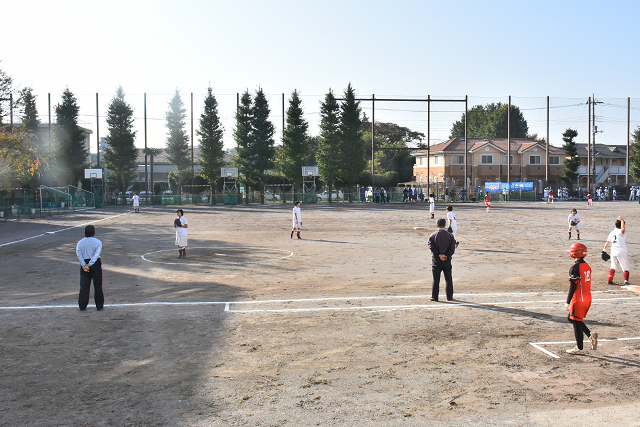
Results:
580 290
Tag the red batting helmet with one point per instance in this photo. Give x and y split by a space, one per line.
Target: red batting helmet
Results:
577 250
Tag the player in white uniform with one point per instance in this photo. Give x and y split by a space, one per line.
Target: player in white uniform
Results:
432 205
181 234
619 252
452 223
136 202
574 223
297 220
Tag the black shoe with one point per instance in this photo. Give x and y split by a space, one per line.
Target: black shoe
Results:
450 299
292 235
578 237
299 237
434 299
611 283
99 309
180 256
184 255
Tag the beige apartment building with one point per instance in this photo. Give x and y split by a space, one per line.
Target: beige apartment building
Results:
487 161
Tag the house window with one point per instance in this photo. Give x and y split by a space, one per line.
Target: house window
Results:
504 160
554 160
457 159
534 160
423 161
437 160
487 159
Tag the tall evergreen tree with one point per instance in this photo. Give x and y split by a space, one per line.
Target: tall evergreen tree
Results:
243 135
634 155
211 139
572 161
296 150
30 121
352 150
263 150
7 90
328 154
177 138
70 152
120 153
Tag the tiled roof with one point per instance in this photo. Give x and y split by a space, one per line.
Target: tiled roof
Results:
604 151
473 144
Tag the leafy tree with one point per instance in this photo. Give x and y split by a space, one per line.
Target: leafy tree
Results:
397 141
177 139
296 150
120 153
572 161
211 139
20 164
634 156
352 150
491 121
328 153
7 89
243 135
70 152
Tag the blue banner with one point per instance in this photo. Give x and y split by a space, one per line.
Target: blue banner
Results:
498 187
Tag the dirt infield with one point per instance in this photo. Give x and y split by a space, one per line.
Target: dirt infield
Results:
256 329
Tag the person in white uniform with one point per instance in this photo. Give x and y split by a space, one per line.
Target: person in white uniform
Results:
574 223
432 205
136 202
619 252
297 220
181 233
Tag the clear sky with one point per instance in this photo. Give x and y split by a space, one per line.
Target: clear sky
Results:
487 50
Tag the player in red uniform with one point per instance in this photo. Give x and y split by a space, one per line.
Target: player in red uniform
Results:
487 201
579 299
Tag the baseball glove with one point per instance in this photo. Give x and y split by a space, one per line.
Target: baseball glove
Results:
605 256
177 223
450 230
573 223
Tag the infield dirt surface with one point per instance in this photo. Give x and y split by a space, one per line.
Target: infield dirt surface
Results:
256 329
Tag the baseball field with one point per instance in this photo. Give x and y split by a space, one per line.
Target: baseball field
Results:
256 329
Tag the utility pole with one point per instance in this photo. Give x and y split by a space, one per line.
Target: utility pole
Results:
595 131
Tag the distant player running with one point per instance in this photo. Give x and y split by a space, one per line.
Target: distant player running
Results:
589 200
574 223
452 224
297 220
432 205
579 298
487 201
619 252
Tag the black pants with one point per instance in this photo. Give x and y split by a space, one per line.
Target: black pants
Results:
436 269
95 274
579 330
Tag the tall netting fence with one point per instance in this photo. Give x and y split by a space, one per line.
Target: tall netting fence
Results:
23 203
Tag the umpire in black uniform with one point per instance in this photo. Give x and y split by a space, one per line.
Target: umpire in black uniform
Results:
443 246
88 251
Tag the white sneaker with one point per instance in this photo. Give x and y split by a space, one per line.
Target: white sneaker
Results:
594 340
575 350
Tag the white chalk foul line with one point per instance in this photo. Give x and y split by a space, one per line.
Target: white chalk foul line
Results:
63 229
539 345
